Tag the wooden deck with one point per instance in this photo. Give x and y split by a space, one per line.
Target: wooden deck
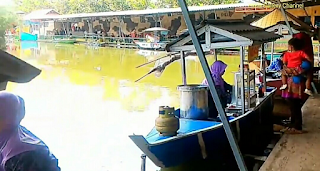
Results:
299 152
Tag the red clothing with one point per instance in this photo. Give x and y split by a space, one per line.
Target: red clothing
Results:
294 59
308 48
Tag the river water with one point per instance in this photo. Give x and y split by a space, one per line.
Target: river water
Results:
85 102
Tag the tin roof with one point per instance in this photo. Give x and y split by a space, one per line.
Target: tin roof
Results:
272 19
294 26
306 3
234 27
143 12
245 30
276 1
40 13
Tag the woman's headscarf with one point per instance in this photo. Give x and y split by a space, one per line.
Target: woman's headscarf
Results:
14 139
217 69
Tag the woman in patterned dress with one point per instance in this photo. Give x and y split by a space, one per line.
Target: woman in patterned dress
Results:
295 97
294 94
20 149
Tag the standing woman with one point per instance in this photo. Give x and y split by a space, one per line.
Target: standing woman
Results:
294 94
20 149
308 49
295 97
217 70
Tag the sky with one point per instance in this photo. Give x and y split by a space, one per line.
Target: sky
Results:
6 2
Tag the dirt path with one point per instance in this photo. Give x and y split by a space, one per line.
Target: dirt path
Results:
299 152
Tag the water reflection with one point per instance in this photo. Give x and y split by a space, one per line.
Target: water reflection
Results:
85 103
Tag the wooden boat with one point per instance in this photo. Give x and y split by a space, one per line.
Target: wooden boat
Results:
203 139
64 41
153 44
28 37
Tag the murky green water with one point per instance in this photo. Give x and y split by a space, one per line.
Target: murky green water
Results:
85 103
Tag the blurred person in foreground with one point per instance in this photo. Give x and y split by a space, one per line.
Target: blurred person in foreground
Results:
20 149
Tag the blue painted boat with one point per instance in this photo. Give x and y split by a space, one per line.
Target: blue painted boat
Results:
202 139
171 151
28 37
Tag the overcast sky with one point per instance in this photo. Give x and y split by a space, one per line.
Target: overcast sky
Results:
6 2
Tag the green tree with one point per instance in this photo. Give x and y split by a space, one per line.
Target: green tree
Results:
7 19
175 3
31 5
90 6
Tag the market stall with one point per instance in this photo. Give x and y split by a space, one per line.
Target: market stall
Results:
168 151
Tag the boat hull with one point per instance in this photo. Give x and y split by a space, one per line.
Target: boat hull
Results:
151 46
253 131
64 41
189 148
28 37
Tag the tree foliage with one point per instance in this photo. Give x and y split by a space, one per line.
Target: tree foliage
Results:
89 6
7 19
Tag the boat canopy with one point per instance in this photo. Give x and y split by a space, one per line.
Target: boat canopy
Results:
271 19
155 29
282 29
214 34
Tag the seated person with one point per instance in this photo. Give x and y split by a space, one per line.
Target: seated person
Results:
297 61
20 149
223 89
275 68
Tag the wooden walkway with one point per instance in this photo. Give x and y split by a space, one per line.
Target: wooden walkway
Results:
299 152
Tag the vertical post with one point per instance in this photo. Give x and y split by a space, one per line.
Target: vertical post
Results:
215 14
263 57
243 99
68 28
44 30
318 52
143 162
120 28
205 67
90 25
215 55
183 68
285 17
272 51
160 20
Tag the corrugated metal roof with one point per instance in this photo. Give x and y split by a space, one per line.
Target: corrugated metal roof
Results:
232 25
245 30
259 36
238 27
276 1
145 12
271 19
294 26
